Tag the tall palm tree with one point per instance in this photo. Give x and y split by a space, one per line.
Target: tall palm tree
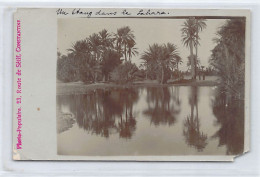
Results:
123 37
228 57
169 56
161 57
200 25
150 56
95 45
96 48
131 50
106 40
79 51
189 40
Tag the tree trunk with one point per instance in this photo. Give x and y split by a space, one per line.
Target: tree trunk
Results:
126 113
162 76
192 111
192 61
78 72
196 55
95 77
197 115
178 74
125 53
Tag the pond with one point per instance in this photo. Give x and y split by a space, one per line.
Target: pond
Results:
175 120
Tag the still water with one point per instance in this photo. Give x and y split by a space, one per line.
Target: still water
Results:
149 121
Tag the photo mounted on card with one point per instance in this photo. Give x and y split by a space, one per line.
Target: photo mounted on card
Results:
131 84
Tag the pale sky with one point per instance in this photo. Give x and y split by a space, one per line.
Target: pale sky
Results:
146 31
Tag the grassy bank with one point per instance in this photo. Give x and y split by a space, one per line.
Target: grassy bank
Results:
80 87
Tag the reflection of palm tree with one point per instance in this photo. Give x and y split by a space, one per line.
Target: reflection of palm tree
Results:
126 127
177 95
97 112
160 110
231 120
175 92
194 137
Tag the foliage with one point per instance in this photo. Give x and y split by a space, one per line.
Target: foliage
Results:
66 69
160 111
125 42
124 73
230 120
161 59
94 58
190 39
228 57
113 115
111 59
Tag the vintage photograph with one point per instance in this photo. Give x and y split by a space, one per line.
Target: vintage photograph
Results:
150 86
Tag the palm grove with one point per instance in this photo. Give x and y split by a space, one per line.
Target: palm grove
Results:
106 56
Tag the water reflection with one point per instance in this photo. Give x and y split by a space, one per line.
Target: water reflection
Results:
176 119
193 135
104 112
161 106
231 119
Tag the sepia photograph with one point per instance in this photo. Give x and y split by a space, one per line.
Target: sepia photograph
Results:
150 86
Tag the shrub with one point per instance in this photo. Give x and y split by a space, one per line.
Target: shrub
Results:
124 73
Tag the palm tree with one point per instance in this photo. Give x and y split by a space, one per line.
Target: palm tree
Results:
200 25
170 54
189 40
131 50
95 45
161 57
79 51
189 61
110 60
228 57
106 41
150 57
96 48
124 37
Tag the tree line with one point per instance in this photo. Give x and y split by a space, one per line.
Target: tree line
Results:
106 56
95 58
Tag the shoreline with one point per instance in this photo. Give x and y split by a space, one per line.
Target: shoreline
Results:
82 88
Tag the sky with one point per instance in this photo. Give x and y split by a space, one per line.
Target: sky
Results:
146 31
